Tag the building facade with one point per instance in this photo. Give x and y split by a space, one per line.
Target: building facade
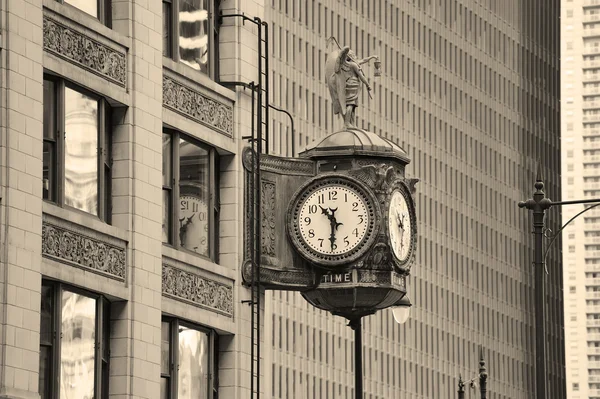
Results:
580 134
470 90
121 198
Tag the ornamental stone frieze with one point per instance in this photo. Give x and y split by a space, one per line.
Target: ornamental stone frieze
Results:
77 246
197 290
197 106
72 43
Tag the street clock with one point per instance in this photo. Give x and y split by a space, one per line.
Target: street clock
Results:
401 224
333 220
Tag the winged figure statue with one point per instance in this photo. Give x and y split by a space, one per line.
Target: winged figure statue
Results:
345 77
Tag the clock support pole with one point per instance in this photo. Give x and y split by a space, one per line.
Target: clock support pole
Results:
356 325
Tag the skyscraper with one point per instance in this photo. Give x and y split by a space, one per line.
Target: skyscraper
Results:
580 134
470 90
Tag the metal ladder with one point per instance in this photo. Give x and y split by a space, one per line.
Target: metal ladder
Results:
259 142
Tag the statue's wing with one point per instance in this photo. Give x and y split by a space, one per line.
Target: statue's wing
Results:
332 79
341 57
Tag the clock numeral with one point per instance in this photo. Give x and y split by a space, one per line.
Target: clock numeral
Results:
321 199
345 197
185 205
332 195
361 217
312 209
346 242
320 242
201 215
311 233
333 247
355 206
195 207
307 220
355 232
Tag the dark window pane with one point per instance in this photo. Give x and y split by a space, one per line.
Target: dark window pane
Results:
45 376
81 149
193 364
77 352
193 198
166 220
167 29
193 34
88 6
49 110
46 312
165 342
164 388
167 164
48 172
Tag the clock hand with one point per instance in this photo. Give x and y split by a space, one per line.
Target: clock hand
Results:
334 226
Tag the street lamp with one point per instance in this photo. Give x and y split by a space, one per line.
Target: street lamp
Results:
401 312
482 376
539 204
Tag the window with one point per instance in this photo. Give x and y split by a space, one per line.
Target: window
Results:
76 159
190 195
96 8
74 343
188 361
189 33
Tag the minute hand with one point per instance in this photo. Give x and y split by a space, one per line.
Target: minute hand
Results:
334 226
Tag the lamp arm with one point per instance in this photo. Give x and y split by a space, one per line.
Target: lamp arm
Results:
555 236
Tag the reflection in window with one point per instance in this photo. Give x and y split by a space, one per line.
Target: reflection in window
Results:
193 205
77 158
193 33
188 362
78 334
193 364
190 200
74 344
81 147
88 6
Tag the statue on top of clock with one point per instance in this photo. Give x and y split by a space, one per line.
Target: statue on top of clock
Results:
344 77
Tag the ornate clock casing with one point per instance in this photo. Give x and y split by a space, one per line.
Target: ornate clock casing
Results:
333 220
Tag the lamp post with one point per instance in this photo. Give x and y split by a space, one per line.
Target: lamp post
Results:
483 375
401 312
539 204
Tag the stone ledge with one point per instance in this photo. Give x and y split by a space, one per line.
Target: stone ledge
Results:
86 48
82 247
181 282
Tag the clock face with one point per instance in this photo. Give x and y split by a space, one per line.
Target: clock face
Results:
399 226
334 219
193 224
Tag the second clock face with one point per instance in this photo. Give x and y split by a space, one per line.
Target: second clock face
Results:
333 219
399 225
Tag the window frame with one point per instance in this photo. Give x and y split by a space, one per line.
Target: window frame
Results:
213 37
103 151
103 10
213 203
173 363
101 344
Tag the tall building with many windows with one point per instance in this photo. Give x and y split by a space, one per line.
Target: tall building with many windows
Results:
580 86
470 89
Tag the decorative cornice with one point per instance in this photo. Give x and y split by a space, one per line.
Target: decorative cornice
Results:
83 51
197 290
279 165
81 250
197 106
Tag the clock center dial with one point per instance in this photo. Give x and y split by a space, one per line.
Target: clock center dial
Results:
333 220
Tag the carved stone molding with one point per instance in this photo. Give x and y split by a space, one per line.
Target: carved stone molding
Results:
197 290
268 205
82 250
197 106
83 51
